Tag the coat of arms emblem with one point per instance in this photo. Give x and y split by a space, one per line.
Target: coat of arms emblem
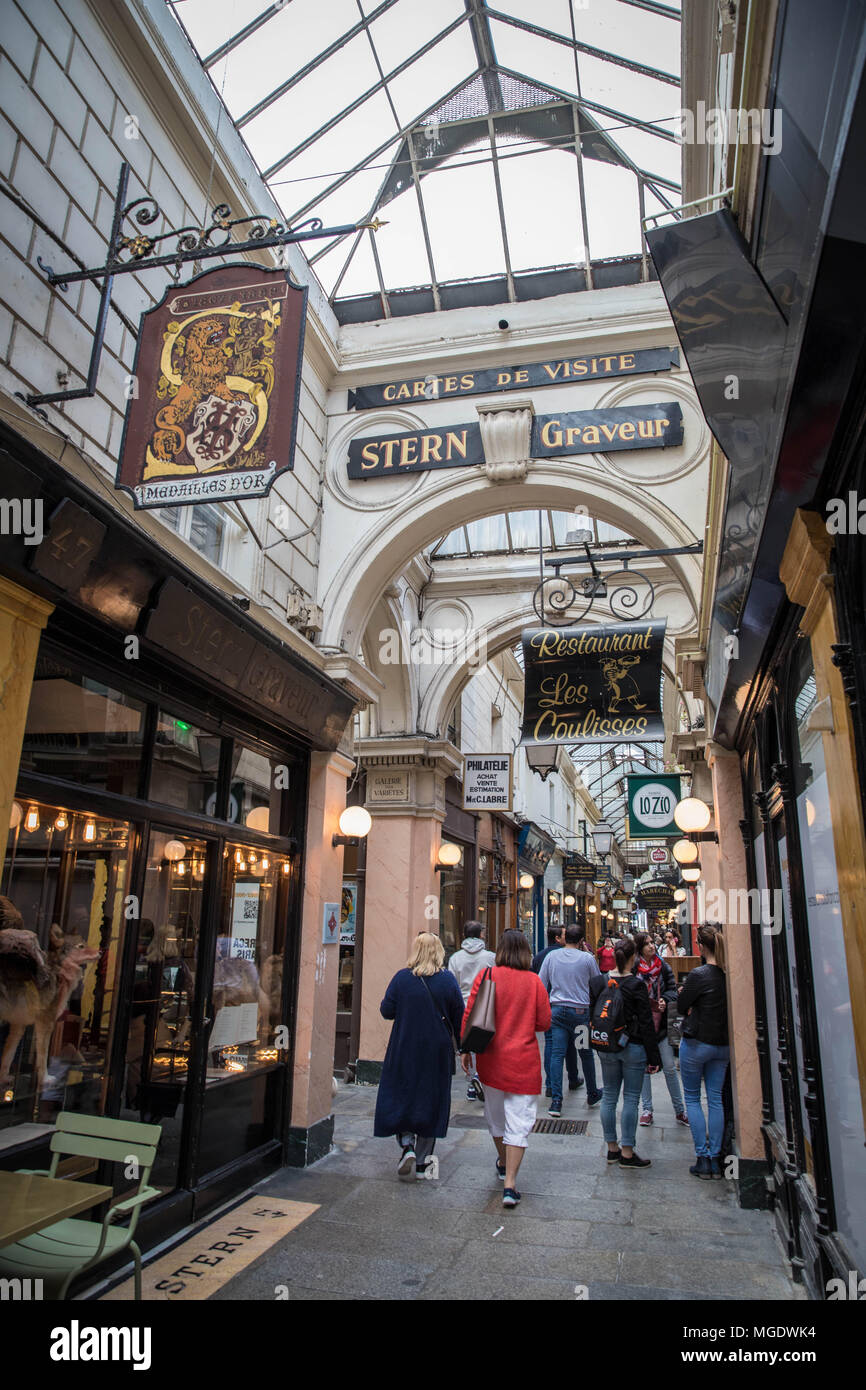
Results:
218 376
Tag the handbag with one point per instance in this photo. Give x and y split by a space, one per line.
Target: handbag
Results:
481 1023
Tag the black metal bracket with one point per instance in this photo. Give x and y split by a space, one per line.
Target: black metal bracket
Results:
555 599
132 249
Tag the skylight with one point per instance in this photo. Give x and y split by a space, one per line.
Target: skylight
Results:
511 149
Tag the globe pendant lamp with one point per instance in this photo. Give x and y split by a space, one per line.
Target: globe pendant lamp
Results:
692 815
685 852
691 873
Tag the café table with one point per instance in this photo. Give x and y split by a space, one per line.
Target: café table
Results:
28 1203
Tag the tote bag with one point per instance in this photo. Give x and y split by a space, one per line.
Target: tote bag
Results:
481 1023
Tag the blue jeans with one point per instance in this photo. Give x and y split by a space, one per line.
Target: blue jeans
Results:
625 1069
708 1062
570 1059
670 1070
564 1021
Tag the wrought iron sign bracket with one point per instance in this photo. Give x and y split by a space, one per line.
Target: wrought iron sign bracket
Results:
130 248
555 598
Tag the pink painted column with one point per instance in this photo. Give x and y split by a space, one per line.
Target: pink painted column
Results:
402 899
317 982
732 876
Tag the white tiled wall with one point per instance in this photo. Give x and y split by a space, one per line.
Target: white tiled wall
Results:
72 74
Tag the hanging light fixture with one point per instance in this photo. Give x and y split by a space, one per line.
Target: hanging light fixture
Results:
627 883
680 895
15 815
602 838
685 852
174 850
692 815
569 900
526 881
32 821
181 868
286 867
90 831
592 908
200 868
266 863
691 873
62 821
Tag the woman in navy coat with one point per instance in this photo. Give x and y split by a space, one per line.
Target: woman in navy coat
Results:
414 1100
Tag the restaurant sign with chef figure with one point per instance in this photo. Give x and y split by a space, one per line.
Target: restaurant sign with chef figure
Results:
593 684
214 390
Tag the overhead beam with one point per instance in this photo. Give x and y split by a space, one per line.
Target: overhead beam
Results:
359 101
320 58
588 49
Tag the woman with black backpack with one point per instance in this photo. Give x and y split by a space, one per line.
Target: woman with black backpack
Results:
622 1032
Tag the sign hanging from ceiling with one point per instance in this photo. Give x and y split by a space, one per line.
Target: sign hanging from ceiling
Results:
652 800
644 426
557 372
487 781
593 684
216 381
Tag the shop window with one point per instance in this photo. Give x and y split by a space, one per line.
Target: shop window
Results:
832 1003
258 784
82 730
248 971
64 885
185 766
160 1034
452 903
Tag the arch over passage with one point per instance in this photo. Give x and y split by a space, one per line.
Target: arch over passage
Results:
394 537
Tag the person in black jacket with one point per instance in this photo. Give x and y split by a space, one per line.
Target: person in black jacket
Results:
704 1051
661 983
627 1069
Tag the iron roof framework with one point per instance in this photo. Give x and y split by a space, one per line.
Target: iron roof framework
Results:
494 114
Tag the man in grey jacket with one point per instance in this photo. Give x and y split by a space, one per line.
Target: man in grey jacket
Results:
464 965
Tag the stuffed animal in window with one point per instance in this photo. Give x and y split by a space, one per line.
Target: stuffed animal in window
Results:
35 985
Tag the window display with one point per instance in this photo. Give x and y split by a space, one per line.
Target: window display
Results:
61 930
248 971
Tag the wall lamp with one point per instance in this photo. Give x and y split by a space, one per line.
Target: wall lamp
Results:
355 824
449 856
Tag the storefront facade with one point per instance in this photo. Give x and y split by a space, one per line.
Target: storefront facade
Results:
172 758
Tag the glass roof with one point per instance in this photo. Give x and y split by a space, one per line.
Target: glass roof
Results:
516 533
491 140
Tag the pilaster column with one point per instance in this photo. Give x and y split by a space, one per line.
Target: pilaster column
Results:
406 799
22 617
312 1122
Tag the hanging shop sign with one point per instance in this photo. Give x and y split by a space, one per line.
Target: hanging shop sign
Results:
555 372
593 684
583 873
215 388
487 782
655 896
535 849
651 803
656 426
658 855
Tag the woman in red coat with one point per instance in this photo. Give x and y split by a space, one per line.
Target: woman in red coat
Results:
510 1066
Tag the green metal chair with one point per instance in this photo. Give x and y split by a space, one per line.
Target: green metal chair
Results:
58 1253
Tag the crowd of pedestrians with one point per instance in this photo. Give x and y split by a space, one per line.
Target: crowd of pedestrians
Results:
620 1007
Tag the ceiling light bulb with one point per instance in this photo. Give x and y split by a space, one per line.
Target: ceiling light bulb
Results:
16 815
61 821
32 821
90 831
